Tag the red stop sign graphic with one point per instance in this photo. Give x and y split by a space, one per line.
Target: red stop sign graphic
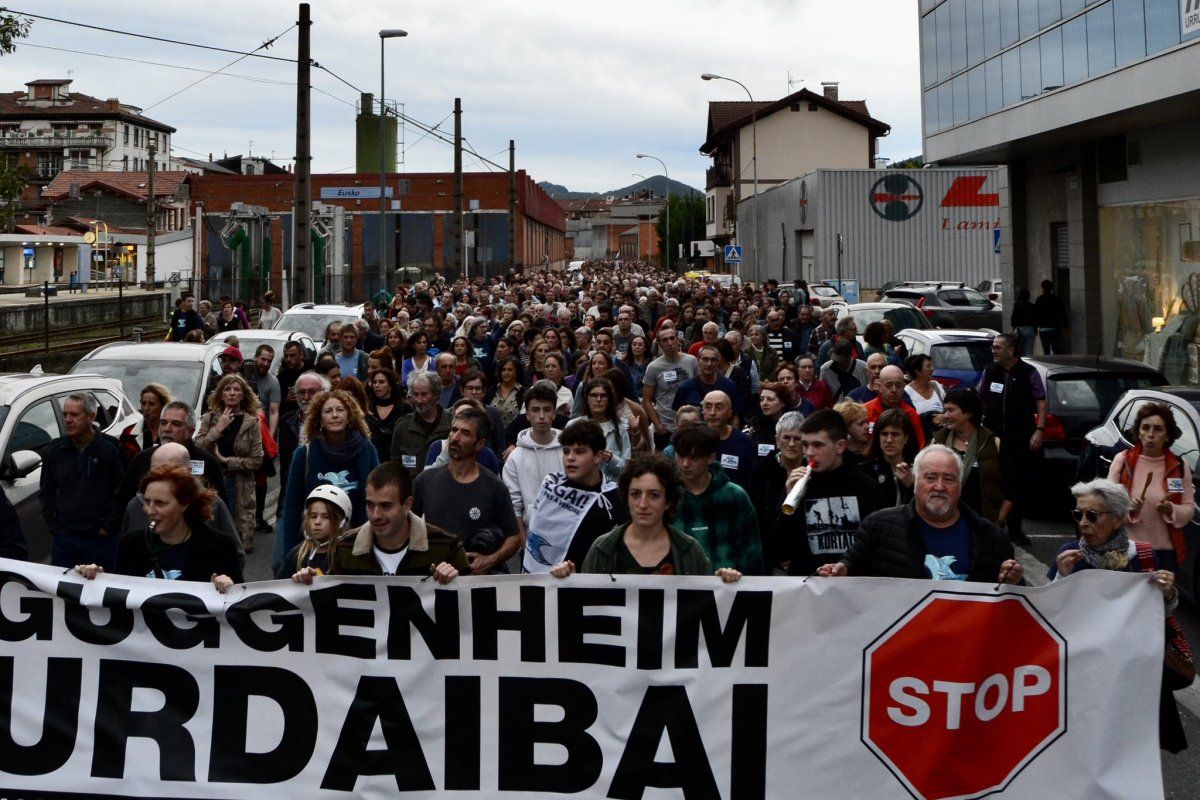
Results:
962 692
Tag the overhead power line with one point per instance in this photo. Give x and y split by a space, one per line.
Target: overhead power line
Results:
148 36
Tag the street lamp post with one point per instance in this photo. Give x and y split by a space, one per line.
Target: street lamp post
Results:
639 225
708 76
667 242
384 35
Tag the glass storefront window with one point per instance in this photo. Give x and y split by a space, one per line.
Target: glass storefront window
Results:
945 106
975 51
1130 23
942 20
1101 47
958 34
1070 7
1150 260
977 92
1049 12
961 103
1011 66
1162 24
1052 59
991 27
1027 16
931 111
1009 31
1031 70
1074 45
995 85
928 50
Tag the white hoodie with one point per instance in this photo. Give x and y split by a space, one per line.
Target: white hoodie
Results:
527 466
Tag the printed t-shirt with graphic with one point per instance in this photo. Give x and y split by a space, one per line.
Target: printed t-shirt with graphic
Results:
947 550
567 517
834 504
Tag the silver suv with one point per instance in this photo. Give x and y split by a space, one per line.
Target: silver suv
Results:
30 419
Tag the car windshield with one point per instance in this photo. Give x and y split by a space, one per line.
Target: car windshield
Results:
248 343
182 378
1094 395
973 356
901 318
824 291
312 324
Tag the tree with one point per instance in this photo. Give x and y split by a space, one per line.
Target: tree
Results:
915 162
14 177
687 225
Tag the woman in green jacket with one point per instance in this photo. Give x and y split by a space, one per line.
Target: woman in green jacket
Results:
646 545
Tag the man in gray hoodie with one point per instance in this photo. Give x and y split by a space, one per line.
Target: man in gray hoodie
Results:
537 452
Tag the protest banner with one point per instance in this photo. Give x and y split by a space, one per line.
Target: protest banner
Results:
596 686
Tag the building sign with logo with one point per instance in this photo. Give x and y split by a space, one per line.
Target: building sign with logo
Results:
353 192
1189 12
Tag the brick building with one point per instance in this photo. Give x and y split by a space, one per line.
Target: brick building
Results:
420 231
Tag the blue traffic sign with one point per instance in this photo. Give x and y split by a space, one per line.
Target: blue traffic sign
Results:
733 254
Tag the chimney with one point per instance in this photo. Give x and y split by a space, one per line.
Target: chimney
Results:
366 104
113 103
831 90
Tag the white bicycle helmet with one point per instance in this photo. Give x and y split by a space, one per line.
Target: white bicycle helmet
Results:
332 494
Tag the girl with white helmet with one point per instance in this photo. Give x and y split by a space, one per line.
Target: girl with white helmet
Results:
327 511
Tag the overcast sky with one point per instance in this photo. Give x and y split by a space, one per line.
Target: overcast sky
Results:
581 87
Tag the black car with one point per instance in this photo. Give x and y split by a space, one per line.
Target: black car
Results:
1102 444
949 305
1080 393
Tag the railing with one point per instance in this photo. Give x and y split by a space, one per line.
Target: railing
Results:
718 175
41 142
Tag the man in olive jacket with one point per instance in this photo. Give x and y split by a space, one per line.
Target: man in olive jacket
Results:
933 537
394 541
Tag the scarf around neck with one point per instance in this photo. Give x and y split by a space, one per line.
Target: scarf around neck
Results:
346 451
1113 554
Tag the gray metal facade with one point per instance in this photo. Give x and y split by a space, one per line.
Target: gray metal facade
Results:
918 224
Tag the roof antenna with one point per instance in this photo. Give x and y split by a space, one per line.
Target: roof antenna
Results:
792 81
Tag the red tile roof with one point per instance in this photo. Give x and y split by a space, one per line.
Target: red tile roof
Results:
45 230
132 184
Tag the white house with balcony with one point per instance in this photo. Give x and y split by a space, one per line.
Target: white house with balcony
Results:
48 128
796 135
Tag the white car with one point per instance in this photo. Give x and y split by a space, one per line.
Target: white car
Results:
993 288
188 370
30 419
314 318
824 295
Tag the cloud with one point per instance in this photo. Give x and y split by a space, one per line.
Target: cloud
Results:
581 87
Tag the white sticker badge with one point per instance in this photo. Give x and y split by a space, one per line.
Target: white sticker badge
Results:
196 466
729 461
997 387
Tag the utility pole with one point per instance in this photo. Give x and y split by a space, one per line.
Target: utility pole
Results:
151 222
302 201
512 203
456 235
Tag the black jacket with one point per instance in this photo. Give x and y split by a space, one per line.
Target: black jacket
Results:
76 489
888 545
207 554
12 540
1012 413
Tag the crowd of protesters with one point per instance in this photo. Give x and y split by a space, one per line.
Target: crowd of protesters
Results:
620 420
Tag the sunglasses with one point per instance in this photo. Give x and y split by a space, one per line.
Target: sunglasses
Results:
1092 516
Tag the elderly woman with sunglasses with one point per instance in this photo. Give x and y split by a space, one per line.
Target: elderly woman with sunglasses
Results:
1101 511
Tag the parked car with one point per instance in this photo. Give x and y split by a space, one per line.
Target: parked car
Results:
30 419
277 338
949 305
959 357
992 289
188 370
314 318
902 315
1102 444
824 295
1080 393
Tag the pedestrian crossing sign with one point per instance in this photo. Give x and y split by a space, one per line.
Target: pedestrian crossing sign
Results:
733 254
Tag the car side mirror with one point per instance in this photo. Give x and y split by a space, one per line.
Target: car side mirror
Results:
20 464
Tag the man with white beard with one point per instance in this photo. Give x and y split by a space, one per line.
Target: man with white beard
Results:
934 536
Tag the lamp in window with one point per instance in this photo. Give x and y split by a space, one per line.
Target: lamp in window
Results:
1158 323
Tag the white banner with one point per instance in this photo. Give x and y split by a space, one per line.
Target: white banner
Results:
596 686
1189 16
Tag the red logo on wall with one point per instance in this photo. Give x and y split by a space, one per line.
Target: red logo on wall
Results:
962 692
964 193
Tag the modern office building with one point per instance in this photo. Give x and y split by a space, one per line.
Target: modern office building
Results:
1095 109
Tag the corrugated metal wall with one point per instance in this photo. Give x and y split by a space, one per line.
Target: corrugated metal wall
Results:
924 224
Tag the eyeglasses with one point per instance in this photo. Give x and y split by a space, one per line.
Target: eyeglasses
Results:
1091 515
